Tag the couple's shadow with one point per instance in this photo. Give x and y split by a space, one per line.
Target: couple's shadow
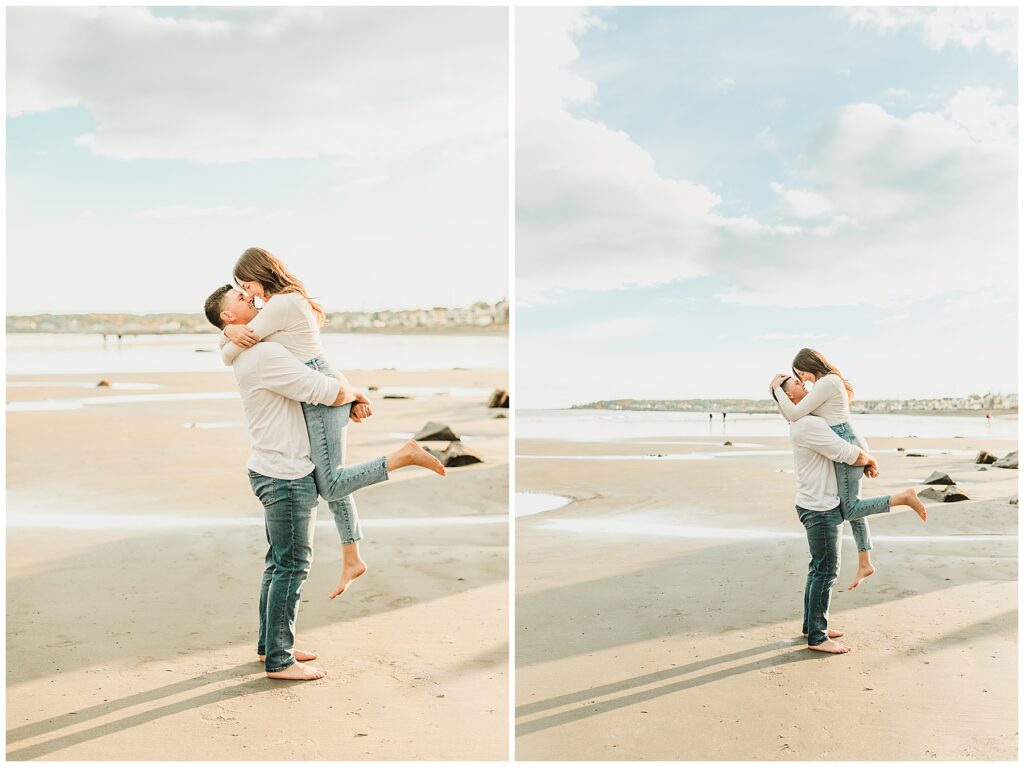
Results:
665 681
260 684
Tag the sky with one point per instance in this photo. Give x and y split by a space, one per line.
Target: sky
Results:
700 192
147 148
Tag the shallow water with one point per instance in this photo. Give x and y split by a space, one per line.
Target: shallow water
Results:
49 353
25 520
625 527
621 425
538 503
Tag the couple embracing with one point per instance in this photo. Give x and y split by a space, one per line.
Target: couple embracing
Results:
297 410
829 461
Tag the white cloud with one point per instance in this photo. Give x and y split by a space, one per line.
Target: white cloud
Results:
356 84
592 210
884 210
725 85
193 211
360 183
801 202
967 26
924 205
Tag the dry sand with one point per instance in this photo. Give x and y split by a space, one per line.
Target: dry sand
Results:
136 639
641 637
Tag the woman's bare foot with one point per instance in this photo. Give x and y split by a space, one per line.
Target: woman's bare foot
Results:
298 672
350 570
909 498
411 454
832 634
300 655
829 646
864 568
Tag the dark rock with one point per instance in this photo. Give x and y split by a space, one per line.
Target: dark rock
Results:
436 432
727 443
983 468
438 454
947 494
103 383
498 399
916 455
372 388
1013 500
938 478
457 454
1008 461
499 415
397 396
901 450
985 457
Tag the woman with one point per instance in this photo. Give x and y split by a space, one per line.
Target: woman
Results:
829 399
291 318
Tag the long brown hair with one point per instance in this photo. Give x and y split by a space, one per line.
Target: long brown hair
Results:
262 266
810 361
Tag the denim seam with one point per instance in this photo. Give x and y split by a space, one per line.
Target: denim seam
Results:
288 587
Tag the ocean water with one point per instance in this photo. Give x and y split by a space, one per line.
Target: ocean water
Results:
664 428
44 353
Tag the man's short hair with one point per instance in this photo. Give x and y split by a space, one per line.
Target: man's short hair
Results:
782 385
214 306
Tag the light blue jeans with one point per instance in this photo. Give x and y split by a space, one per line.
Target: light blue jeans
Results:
853 507
328 428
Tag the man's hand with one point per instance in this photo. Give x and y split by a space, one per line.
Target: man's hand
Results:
241 335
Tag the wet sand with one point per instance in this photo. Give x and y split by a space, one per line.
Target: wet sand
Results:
133 637
658 614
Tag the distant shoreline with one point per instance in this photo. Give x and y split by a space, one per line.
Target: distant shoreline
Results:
768 409
462 330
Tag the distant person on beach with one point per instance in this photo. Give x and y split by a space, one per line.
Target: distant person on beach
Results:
291 318
815 448
830 399
274 388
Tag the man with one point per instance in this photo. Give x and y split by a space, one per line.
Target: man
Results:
815 448
273 384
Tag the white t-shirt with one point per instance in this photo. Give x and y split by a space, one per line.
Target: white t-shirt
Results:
815 447
287 319
273 384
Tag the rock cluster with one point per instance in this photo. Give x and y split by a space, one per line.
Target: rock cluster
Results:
455 452
947 494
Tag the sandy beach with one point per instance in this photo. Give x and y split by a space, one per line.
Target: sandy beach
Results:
134 553
658 614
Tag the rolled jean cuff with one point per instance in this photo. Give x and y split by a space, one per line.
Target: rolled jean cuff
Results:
282 668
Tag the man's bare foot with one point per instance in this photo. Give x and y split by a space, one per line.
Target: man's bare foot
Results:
300 655
829 646
298 672
349 572
863 571
411 454
832 634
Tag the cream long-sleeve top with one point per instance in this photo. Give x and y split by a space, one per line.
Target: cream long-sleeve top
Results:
827 399
287 319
